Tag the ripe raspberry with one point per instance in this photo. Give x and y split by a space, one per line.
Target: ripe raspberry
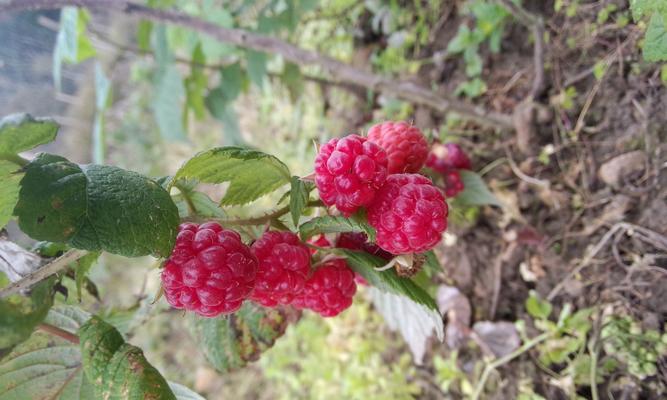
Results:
444 157
210 271
453 183
409 214
319 241
349 171
284 266
405 145
359 241
330 290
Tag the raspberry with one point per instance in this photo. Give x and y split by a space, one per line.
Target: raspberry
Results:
319 241
359 241
405 145
349 171
409 214
284 266
444 157
210 271
453 183
330 290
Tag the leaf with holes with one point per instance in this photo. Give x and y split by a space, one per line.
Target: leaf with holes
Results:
251 174
336 224
230 342
21 132
96 207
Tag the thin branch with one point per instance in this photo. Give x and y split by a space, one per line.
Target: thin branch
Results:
61 333
42 273
337 70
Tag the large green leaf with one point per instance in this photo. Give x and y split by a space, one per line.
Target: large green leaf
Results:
119 370
46 366
335 224
251 174
9 190
21 132
230 342
95 207
365 264
298 198
20 314
475 192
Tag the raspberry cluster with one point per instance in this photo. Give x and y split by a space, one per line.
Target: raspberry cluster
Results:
448 159
210 270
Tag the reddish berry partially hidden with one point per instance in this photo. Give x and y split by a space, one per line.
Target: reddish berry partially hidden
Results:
284 266
359 241
453 183
444 157
405 145
210 270
409 214
348 172
330 290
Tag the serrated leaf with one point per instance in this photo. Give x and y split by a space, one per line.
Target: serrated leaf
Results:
655 44
475 193
96 207
298 199
251 174
365 264
414 321
230 342
335 224
9 190
21 132
19 315
538 308
118 369
46 366
83 266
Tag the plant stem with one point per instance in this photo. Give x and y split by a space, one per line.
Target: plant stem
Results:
339 71
61 333
42 273
505 359
15 158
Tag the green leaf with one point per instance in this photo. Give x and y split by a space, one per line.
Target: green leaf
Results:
83 266
256 62
298 199
10 176
293 80
461 41
655 44
102 100
475 193
19 315
251 174
196 83
388 281
119 370
46 366
144 31
167 104
72 44
21 132
96 207
202 204
183 393
536 307
645 7
335 224
230 342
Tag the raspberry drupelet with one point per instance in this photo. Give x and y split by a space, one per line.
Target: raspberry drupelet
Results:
210 271
330 290
405 145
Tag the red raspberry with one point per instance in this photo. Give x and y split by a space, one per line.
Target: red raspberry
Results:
409 214
330 290
349 171
284 266
453 183
210 270
319 241
405 145
359 241
444 157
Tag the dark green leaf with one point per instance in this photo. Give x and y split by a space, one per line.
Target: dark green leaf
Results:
365 264
256 62
119 370
95 207
19 315
9 190
83 266
475 192
230 342
335 224
251 174
298 199
21 132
